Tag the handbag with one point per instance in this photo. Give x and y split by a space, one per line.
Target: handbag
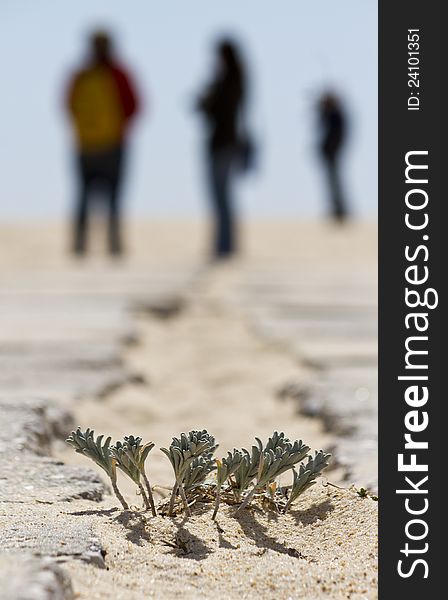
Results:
247 153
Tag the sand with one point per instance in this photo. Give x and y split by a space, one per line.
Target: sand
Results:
325 548
206 368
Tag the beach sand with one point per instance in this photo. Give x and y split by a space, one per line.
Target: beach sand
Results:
324 548
206 367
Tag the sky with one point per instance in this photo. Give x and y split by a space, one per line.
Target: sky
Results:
294 49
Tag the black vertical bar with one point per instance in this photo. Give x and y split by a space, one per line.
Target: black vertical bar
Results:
404 129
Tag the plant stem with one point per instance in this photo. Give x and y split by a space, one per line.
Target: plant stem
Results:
172 499
144 496
247 499
118 495
236 494
217 501
184 499
150 496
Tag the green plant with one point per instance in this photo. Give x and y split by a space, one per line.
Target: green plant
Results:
306 477
246 471
225 468
138 454
84 443
198 471
181 453
279 455
363 493
192 458
130 456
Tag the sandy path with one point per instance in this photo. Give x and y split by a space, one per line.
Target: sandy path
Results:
204 369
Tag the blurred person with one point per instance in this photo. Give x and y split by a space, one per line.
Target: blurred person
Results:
101 102
229 148
333 134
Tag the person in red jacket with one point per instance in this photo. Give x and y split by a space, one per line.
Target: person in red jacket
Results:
101 102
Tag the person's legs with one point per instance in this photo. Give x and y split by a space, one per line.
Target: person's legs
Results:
220 174
114 188
339 209
114 232
81 210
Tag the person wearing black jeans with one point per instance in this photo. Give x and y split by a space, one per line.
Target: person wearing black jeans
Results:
221 106
333 125
101 172
101 103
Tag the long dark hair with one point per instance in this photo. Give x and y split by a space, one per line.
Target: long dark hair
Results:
233 70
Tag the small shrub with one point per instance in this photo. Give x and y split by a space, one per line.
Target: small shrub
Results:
85 444
279 455
130 456
306 477
246 474
225 468
181 454
247 470
198 471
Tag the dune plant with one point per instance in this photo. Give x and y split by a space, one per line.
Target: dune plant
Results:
181 453
138 454
198 471
192 458
225 468
85 443
130 456
278 456
279 440
306 477
246 471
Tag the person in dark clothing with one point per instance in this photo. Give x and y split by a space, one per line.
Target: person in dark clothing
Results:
222 105
101 102
333 125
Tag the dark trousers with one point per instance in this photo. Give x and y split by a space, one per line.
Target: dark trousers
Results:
337 199
221 163
99 172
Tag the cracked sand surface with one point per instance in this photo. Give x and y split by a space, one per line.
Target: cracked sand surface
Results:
205 368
